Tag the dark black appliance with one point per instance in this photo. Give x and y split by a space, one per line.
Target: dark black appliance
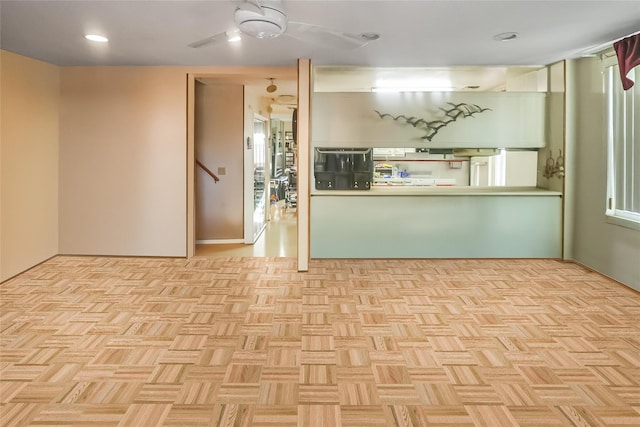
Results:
343 168
294 125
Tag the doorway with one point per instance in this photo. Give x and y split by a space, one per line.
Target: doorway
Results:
269 211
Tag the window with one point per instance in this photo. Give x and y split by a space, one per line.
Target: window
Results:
623 171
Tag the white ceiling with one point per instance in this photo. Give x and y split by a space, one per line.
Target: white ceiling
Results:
450 38
414 33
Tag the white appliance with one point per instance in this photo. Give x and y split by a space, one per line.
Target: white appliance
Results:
509 168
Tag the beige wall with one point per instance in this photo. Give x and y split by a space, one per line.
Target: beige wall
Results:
610 249
219 145
122 166
29 163
123 161
106 172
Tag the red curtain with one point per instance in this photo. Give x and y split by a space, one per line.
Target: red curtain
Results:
628 52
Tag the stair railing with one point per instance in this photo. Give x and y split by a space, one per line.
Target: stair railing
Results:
208 171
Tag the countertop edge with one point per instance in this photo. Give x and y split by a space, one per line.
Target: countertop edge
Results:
441 191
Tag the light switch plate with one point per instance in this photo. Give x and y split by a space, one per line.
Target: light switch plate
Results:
222 171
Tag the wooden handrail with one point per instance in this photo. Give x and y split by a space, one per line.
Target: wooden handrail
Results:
208 171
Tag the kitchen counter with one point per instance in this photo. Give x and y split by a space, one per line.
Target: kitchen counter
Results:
436 222
413 190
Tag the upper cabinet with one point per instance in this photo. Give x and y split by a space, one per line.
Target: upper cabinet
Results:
506 109
429 119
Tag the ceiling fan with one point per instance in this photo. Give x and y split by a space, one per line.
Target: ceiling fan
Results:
265 19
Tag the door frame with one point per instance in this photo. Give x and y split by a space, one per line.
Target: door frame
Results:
244 75
250 236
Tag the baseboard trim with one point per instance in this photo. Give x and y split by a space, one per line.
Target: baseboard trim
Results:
219 241
27 269
593 270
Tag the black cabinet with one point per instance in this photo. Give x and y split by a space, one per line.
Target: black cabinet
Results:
343 168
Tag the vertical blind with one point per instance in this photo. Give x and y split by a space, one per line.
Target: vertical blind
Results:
624 140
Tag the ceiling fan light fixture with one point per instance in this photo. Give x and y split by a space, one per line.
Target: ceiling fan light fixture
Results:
272 87
261 26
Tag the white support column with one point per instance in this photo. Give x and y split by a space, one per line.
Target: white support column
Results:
303 144
569 189
190 211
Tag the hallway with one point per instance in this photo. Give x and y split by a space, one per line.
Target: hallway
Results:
277 240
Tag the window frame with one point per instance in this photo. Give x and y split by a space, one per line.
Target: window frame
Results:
611 76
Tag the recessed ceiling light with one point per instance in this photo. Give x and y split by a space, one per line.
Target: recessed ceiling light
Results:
369 36
505 37
96 38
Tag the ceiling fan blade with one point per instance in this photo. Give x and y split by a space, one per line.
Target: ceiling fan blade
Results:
208 40
286 100
324 36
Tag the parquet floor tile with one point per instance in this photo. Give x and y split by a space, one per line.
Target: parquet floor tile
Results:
243 341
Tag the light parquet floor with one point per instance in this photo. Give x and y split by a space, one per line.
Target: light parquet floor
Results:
252 342
279 238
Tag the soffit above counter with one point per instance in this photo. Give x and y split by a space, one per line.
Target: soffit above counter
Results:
472 78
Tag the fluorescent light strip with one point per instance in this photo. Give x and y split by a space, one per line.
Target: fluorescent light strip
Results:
411 89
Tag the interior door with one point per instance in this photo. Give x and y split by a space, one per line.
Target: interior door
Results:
256 188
